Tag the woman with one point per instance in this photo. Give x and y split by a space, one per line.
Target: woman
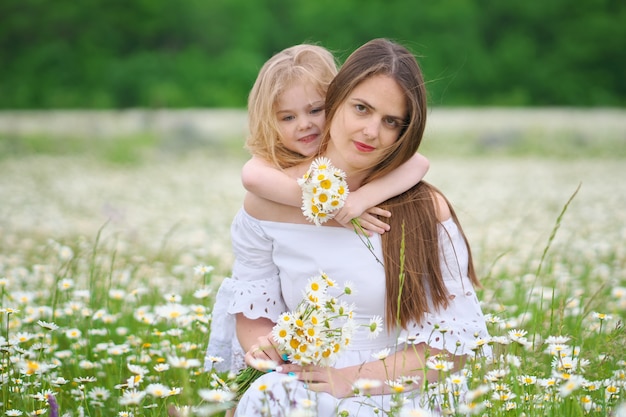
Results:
376 114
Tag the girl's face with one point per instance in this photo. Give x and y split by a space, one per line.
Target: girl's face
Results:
300 117
367 123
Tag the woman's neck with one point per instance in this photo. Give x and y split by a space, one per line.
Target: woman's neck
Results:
354 177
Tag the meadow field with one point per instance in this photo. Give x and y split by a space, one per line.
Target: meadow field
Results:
111 252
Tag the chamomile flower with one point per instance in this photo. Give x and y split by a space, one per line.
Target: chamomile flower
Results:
375 327
324 190
132 397
381 354
364 385
216 395
158 390
73 334
264 364
202 269
437 363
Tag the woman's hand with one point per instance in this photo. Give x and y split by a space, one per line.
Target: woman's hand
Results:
336 382
265 348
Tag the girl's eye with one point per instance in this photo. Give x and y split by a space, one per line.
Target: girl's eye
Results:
287 118
317 110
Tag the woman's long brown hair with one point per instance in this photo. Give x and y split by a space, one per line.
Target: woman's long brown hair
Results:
414 218
415 222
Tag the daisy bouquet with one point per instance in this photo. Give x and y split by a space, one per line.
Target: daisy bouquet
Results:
324 191
315 333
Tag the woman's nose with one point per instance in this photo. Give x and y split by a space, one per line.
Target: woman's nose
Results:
370 130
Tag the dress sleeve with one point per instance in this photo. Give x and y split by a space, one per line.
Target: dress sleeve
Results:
461 327
256 290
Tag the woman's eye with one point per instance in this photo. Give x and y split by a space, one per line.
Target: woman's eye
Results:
360 108
391 122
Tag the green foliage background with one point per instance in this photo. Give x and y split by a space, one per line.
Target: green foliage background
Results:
206 53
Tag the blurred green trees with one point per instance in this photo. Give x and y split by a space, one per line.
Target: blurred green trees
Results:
206 53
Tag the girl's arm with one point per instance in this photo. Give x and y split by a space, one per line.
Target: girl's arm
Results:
362 203
263 179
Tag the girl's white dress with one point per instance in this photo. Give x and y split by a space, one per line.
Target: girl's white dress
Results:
273 263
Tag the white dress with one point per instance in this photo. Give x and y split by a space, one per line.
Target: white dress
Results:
275 260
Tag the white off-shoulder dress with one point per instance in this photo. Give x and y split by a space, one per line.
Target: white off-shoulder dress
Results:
273 263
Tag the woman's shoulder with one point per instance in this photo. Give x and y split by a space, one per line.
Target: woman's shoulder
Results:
442 207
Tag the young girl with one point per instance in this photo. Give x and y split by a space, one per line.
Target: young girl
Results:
286 120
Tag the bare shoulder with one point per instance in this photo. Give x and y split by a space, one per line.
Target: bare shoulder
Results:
441 207
264 209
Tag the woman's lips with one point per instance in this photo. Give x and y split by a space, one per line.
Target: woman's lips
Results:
308 138
363 147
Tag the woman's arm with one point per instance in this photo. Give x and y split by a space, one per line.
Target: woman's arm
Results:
362 203
261 178
340 382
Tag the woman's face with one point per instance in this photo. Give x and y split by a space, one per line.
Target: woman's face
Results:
300 116
367 123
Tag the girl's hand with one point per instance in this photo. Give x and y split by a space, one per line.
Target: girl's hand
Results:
368 220
266 349
334 381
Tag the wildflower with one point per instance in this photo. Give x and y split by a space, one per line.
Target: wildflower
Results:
157 390
414 412
65 253
364 385
66 284
375 327
183 363
527 379
601 316
477 392
48 326
171 310
161 367
457 379
570 385
83 379
611 390
438 364
99 394
136 369
132 397
203 292
264 365
382 354
59 381
14 412
202 269
172 297
73 333
216 396
503 395
396 386
324 190
496 375
557 340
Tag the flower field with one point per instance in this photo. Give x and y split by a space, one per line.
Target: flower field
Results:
108 272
